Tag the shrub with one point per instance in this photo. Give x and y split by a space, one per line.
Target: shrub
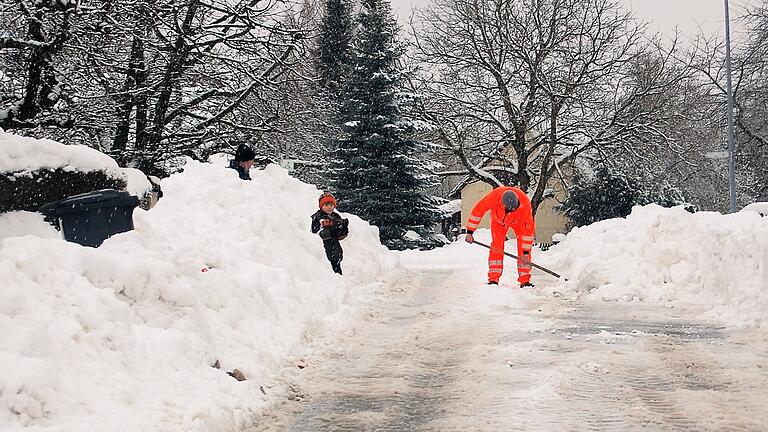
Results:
610 195
30 190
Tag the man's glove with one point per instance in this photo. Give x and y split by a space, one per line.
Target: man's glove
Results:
469 238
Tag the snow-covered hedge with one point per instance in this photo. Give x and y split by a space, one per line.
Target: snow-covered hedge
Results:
34 172
123 337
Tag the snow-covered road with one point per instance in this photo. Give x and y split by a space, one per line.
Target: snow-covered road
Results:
435 353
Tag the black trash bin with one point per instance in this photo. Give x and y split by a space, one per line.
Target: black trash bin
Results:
91 218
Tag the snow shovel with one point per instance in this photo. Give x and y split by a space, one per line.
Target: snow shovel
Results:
544 269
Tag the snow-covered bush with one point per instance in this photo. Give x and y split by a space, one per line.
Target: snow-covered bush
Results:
36 172
610 195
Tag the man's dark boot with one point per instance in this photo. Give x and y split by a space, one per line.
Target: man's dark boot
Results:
493 282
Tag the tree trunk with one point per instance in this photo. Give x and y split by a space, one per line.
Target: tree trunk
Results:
37 62
173 71
140 99
545 173
134 80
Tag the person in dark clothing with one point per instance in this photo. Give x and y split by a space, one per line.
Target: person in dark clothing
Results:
332 228
243 161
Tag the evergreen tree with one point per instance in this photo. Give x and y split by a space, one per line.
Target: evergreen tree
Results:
334 44
611 195
377 172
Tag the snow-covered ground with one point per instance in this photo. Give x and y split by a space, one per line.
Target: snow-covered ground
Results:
668 255
654 255
123 337
439 351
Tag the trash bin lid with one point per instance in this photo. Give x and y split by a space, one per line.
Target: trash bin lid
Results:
99 198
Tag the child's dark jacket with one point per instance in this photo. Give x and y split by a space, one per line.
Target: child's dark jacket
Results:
337 229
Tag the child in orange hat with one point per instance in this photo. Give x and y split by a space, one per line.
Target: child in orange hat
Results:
331 227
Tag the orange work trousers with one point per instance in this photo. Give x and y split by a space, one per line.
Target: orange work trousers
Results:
496 255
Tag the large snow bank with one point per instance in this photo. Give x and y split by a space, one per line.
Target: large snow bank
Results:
122 338
659 254
655 254
23 155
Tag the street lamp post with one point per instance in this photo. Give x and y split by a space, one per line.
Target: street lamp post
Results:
731 138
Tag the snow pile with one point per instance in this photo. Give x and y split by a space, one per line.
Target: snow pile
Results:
123 337
23 223
137 182
758 207
655 254
659 254
23 155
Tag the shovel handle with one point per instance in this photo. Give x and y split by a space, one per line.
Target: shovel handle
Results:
544 269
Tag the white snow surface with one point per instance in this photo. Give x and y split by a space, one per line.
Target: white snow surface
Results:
122 338
656 254
757 207
668 255
21 155
23 223
137 182
451 207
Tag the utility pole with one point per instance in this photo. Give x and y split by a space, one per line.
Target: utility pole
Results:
731 137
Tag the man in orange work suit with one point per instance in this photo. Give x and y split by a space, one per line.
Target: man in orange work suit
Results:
510 207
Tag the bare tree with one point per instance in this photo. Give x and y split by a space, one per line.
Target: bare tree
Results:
750 72
34 34
149 81
519 89
197 74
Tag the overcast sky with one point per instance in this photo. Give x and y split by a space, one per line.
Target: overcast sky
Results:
664 15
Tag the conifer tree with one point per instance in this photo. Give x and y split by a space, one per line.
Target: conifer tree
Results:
378 172
612 195
334 44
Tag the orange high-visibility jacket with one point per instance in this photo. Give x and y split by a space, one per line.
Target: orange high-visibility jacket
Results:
520 220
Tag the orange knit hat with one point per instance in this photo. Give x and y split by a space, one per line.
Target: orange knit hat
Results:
327 197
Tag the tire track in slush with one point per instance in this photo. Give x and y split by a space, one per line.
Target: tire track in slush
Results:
436 354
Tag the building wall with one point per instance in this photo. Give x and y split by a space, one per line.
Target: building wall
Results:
548 220
470 195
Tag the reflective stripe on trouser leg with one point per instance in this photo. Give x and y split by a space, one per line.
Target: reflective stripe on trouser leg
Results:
524 243
495 268
496 254
524 270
